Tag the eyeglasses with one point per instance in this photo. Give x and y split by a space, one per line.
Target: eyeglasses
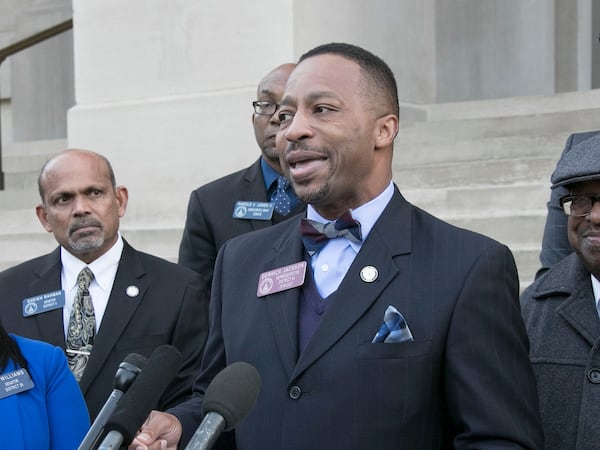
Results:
265 108
578 205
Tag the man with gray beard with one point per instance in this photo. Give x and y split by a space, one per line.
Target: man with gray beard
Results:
96 296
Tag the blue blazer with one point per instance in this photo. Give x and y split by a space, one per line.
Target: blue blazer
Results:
52 415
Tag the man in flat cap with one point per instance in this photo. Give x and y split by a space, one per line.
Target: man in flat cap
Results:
555 245
561 311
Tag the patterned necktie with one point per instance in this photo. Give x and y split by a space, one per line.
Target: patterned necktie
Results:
282 202
82 325
316 234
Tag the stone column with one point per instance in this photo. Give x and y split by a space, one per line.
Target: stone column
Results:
164 90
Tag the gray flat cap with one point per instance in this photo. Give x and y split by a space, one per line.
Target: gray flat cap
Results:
580 163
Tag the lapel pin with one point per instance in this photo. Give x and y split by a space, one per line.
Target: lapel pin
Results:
368 274
132 291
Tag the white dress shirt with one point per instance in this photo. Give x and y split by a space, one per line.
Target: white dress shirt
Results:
332 262
104 269
596 289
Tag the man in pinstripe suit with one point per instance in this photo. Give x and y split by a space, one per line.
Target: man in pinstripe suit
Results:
307 318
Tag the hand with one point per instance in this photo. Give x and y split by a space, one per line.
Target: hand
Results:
160 431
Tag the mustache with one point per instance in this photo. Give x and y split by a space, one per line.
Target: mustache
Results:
293 146
304 147
82 223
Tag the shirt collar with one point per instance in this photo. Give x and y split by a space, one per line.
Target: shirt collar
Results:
367 214
269 174
595 288
103 268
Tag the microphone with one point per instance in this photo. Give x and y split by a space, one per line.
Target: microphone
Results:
228 399
128 370
141 397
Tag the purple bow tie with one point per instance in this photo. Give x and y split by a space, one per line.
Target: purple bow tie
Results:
316 234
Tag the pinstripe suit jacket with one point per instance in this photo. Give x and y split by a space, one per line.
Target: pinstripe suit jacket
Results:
465 382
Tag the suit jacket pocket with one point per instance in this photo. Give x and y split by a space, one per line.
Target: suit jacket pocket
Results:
396 350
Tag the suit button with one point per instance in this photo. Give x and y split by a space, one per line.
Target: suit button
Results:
594 375
295 392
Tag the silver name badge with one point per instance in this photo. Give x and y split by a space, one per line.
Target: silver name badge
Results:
253 210
12 383
43 302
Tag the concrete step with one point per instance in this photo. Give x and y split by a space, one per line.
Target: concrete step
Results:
505 107
474 173
23 196
517 230
467 201
21 163
32 240
528 263
552 123
22 237
17 248
29 156
162 242
415 154
17 221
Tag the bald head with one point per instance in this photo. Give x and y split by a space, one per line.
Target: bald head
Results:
74 151
274 79
269 93
81 205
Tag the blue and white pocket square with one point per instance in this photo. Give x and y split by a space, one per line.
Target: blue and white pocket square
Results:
393 328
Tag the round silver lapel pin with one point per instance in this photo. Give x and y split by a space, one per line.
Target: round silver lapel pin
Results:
368 274
132 291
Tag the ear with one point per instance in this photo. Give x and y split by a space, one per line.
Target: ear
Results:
122 196
386 129
40 212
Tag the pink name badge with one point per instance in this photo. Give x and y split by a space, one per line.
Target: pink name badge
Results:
281 279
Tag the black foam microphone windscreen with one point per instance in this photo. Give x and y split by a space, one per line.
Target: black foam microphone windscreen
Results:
232 393
144 393
127 372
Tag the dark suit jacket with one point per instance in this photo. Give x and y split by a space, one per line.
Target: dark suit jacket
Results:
563 326
170 309
210 223
555 244
464 382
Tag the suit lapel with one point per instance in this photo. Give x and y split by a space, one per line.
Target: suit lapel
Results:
119 310
282 306
570 280
579 310
49 325
253 190
390 236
